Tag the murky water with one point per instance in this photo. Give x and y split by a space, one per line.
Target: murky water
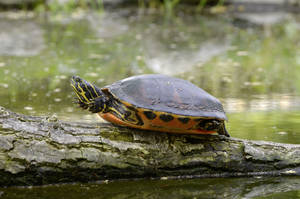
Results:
251 63
256 188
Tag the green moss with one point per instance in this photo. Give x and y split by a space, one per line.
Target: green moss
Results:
117 135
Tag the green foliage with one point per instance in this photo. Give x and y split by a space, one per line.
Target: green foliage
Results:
169 6
68 6
201 5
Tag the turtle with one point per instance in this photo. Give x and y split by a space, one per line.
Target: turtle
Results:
154 102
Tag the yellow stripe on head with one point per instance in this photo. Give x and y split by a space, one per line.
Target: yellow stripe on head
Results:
82 90
95 90
83 93
90 97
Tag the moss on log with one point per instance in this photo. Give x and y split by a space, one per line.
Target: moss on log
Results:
42 150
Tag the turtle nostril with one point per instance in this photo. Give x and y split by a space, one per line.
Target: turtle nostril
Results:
76 79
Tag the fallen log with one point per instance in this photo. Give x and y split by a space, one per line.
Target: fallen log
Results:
42 150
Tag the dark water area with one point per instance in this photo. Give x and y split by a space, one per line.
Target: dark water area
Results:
257 188
251 62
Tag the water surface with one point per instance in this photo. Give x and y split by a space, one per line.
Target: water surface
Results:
256 188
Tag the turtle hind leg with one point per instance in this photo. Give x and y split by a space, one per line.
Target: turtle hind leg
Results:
222 130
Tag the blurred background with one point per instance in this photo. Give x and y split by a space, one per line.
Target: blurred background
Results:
244 52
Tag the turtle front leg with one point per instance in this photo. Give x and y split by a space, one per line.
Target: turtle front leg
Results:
98 104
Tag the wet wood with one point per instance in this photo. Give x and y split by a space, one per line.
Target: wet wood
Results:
43 150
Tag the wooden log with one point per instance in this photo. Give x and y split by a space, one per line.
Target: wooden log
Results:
43 150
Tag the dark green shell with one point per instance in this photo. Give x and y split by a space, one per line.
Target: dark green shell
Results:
167 94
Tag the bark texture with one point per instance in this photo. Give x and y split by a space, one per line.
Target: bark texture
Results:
42 150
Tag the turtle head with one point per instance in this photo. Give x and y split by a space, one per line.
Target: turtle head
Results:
89 96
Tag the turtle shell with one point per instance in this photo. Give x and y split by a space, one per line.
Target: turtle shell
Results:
167 94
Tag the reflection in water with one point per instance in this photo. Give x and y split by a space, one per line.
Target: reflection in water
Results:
283 102
274 126
269 18
173 189
275 118
176 61
20 38
164 48
108 25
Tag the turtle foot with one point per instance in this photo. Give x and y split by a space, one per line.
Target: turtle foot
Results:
96 105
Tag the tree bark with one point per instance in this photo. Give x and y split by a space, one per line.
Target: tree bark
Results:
43 150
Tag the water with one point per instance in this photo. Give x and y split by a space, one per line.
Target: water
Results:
251 63
256 188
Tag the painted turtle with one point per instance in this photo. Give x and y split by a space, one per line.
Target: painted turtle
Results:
154 102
